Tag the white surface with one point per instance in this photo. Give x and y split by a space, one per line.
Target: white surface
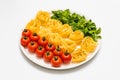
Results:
16 13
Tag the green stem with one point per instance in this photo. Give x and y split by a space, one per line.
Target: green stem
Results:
34 34
55 58
47 53
58 48
43 38
25 30
40 47
66 53
32 43
50 45
25 37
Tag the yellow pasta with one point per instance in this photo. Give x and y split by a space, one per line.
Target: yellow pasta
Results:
88 44
79 55
69 45
56 39
65 31
54 25
77 36
33 26
43 17
63 36
44 32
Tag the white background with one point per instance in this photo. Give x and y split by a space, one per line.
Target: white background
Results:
14 14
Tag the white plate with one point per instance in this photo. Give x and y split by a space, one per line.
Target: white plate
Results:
41 62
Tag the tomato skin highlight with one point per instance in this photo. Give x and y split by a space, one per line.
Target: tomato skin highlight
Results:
50 47
66 57
26 32
24 41
34 37
32 45
56 61
58 51
48 56
40 51
43 41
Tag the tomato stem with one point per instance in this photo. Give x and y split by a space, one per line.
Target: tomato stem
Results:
50 45
40 47
25 30
58 48
25 37
55 58
66 53
47 53
32 43
43 38
34 34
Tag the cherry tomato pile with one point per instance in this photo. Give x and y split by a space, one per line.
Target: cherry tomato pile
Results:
44 49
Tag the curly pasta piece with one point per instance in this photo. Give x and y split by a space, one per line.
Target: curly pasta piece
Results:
33 26
88 44
79 55
69 45
54 25
44 32
43 17
56 39
77 36
65 31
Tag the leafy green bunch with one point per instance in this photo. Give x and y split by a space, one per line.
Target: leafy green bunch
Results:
78 22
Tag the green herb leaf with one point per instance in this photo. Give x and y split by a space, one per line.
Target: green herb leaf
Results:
77 22
98 31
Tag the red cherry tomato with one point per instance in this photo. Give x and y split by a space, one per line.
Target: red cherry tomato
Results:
66 57
26 32
56 61
40 51
58 51
24 41
34 37
32 45
43 41
50 47
48 56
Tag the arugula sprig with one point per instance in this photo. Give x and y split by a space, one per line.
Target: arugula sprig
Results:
78 22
